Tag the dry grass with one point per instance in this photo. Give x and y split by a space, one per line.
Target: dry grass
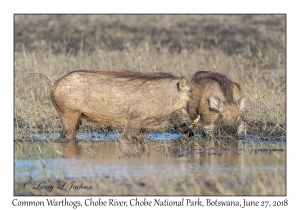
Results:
260 183
249 49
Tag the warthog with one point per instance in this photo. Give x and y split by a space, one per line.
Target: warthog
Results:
216 102
131 99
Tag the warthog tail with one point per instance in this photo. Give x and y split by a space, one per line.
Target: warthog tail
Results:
52 81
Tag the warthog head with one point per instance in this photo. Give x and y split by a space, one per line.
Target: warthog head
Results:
215 102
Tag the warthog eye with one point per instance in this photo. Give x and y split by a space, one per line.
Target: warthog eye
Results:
220 116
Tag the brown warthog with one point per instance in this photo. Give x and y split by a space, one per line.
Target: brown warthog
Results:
216 102
131 99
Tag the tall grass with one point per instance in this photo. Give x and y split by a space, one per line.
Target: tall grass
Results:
264 89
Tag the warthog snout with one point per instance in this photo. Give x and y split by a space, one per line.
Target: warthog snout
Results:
226 115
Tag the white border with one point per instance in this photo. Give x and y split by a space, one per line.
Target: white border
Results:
154 6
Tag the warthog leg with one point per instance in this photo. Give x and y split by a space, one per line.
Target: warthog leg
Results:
208 130
132 127
70 121
242 130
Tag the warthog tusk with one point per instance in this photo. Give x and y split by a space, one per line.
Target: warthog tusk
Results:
195 121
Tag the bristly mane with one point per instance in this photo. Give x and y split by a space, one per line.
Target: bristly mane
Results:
224 83
131 75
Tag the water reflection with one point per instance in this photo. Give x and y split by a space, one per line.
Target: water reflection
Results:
92 159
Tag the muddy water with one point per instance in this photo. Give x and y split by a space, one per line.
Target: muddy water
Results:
98 158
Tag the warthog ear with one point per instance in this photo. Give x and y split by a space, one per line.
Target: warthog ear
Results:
241 103
181 84
214 103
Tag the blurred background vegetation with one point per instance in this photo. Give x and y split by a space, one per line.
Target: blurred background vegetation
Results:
249 35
